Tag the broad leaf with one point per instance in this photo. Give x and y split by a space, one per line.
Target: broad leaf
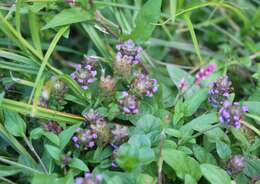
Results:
214 174
14 123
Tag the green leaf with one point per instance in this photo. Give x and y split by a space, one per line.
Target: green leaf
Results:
252 167
139 141
53 179
253 107
193 102
128 157
202 155
54 152
214 174
8 170
147 16
68 16
52 137
189 180
182 163
201 123
223 150
14 123
173 7
240 137
66 135
146 155
78 164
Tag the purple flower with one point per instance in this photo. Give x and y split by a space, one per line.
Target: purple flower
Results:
89 179
205 72
84 138
236 164
53 127
143 85
92 115
128 103
219 91
127 55
231 114
84 75
182 84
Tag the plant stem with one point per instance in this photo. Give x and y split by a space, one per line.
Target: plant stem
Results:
160 161
35 153
251 127
182 142
19 165
6 180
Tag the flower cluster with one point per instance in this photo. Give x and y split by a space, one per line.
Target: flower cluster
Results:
119 134
231 113
236 164
128 103
107 83
59 87
143 85
205 72
220 91
89 179
84 138
84 75
128 52
127 55
53 127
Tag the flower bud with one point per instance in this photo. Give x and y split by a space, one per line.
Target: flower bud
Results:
53 127
205 72
107 84
84 138
89 179
236 164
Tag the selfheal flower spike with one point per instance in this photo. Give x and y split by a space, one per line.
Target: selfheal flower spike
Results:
107 83
219 91
236 164
205 72
84 75
84 138
89 178
53 127
143 85
231 114
128 103
119 134
127 55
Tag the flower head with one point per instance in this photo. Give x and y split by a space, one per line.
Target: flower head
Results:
119 134
84 75
84 138
205 72
128 103
236 164
89 178
92 116
107 83
129 51
231 114
220 91
127 55
143 85
53 127
59 87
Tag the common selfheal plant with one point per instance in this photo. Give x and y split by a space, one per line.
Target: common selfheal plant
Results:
143 85
231 113
89 179
219 91
204 73
236 164
84 75
119 134
128 103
